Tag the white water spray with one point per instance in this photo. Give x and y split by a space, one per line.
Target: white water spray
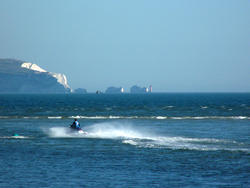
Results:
136 136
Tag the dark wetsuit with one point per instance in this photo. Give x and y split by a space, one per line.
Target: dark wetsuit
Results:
75 125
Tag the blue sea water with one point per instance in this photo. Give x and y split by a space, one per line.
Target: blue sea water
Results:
155 140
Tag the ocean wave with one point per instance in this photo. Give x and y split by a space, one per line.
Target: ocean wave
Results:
129 117
15 137
160 117
32 117
103 117
167 107
55 117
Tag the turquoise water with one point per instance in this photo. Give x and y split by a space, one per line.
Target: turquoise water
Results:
157 140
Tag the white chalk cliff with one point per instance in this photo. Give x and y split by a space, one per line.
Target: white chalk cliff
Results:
24 77
32 66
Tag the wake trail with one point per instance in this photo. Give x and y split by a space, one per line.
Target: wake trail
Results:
131 135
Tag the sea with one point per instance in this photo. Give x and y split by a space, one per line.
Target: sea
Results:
132 140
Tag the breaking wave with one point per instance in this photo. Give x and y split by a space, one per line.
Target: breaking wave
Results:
15 137
129 117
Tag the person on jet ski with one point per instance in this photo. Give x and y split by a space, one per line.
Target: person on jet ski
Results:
75 125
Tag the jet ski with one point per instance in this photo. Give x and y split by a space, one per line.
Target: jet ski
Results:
77 130
82 132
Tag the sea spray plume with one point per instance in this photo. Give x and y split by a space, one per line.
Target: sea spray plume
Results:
60 132
111 130
114 130
56 132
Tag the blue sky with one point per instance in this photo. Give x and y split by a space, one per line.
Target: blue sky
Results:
175 46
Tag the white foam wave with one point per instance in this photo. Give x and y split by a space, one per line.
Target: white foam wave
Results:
241 117
55 117
210 117
31 117
104 117
131 142
131 117
161 117
16 137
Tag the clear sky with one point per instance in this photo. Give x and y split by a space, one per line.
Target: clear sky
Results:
173 45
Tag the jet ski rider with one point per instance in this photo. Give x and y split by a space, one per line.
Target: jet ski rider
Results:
75 125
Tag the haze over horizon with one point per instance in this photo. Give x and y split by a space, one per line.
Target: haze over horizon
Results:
175 46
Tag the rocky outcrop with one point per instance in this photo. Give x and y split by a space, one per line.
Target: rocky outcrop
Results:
24 77
137 89
80 91
114 90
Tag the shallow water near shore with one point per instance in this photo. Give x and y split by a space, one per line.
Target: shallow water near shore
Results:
156 140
